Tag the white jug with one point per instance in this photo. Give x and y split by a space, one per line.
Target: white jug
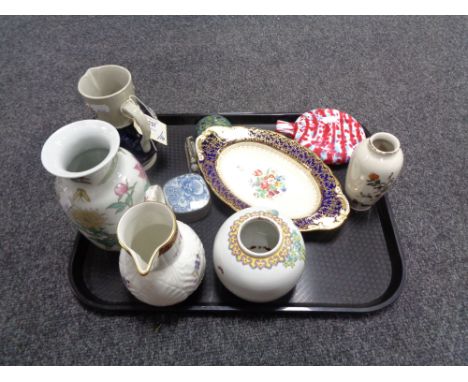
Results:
162 260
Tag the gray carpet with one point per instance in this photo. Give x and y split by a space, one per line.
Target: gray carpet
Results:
404 75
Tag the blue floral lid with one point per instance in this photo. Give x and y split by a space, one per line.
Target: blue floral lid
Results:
187 193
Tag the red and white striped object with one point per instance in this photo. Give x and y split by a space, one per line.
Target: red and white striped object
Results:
329 133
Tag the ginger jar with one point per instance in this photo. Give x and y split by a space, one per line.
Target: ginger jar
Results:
259 254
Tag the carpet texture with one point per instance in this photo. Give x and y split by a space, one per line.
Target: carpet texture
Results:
404 75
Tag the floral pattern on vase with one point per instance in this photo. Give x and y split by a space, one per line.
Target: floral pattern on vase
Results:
141 170
84 201
93 224
297 251
377 185
125 196
88 202
377 189
198 262
267 184
82 195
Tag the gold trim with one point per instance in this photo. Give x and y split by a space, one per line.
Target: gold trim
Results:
319 226
339 220
163 248
388 137
260 262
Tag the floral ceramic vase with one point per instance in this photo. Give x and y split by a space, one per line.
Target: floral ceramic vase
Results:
162 260
259 254
374 166
96 180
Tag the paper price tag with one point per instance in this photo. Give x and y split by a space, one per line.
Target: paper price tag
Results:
158 130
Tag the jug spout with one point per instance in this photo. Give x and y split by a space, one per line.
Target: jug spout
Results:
146 231
105 82
141 265
90 83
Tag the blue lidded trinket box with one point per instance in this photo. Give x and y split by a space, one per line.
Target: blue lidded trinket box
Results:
188 196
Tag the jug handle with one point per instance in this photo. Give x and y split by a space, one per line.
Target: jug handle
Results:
132 110
155 194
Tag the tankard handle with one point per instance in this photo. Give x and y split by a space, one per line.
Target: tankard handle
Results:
155 194
132 110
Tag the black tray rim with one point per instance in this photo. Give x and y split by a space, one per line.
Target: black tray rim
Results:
115 308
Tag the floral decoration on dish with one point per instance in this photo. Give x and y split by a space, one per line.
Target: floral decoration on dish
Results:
267 184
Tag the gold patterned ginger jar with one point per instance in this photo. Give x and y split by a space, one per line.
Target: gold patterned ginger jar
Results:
259 254
96 180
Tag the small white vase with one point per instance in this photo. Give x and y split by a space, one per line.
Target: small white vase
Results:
259 254
374 166
96 181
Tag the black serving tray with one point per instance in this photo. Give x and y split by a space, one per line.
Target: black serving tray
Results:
358 267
